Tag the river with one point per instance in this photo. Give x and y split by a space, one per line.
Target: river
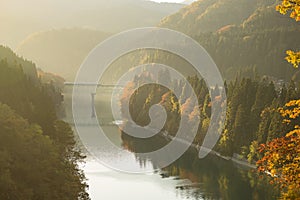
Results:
187 178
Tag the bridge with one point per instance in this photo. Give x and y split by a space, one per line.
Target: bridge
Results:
94 122
90 84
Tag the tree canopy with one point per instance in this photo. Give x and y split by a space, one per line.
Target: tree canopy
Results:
38 159
281 156
292 7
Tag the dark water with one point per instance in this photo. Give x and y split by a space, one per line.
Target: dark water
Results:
187 178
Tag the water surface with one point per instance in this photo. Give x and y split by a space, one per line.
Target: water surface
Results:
187 178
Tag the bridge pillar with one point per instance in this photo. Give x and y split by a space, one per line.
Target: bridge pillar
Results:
93 105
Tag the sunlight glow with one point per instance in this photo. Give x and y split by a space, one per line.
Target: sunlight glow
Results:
170 1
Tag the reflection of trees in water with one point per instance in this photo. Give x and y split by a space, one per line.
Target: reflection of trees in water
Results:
143 145
210 178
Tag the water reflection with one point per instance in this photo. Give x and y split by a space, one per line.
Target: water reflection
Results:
210 178
187 178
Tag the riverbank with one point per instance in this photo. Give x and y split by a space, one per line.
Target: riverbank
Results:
233 159
186 178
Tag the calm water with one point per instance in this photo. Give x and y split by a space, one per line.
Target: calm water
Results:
187 178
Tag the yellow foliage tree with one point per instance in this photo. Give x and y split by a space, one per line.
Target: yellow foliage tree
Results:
281 156
293 58
292 7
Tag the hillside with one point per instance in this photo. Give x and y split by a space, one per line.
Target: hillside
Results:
60 51
29 68
18 20
12 59
37 155
188 2
251 38
211 15
254 41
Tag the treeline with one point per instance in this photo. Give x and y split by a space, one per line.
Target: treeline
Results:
219 179
38 155
252 117
260 51
253 52
252 36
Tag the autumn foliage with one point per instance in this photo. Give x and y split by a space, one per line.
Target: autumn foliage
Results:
293 58
292 7
282 155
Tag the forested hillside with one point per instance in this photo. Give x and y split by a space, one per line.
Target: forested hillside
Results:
251 36
9 57
252 110
38 156
211 15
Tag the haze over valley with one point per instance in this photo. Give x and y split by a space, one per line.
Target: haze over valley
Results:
187 100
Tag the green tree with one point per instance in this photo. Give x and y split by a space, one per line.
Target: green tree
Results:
38 159
32 167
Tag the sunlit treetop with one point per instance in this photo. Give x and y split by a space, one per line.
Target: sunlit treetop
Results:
292 6
293 58
291 110
281 156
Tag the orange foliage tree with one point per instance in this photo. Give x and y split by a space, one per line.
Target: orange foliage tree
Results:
282 155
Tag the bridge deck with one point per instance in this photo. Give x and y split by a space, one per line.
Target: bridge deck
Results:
91 84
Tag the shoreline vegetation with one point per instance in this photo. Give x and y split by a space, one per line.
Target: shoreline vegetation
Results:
38 155
252 131
236 158
251 118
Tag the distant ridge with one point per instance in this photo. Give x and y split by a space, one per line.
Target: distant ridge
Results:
61 51
19 20
188 1
211 15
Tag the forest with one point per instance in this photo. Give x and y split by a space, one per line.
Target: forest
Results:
253 111
255 48
38 156
262 119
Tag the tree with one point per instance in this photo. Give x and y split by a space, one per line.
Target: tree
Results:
253 153
31 165
281 156
293 58
292 7
38 158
